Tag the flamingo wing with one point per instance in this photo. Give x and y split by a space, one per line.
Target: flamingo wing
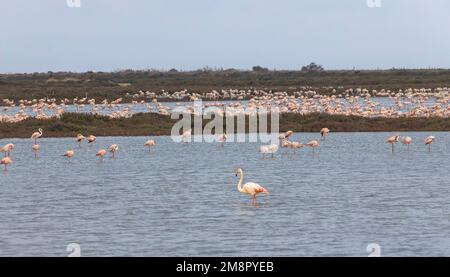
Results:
253 188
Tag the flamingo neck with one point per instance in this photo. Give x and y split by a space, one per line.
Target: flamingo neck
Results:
241 180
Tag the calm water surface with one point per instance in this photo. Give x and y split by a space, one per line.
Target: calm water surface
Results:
181 199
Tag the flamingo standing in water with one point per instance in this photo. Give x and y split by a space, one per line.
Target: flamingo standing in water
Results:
6 161
149 143
428 141
91 139
296 145
113 149
222 139
36 148
313 144
7 149
101 153
36 135
392 140
286 135
268 149
407 141
186 135
79 139
69 154
324 133
249 188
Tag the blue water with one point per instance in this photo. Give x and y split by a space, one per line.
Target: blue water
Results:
181 199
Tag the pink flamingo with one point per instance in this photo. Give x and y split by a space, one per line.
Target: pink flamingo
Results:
101 153
222 139
428 141
91 139
69 154
7 149
249 188
35 148
324 133
149 143
79 139
313 144
113 149
407 141
36 135
392 140
6 161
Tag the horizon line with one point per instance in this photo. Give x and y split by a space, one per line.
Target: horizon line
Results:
218 69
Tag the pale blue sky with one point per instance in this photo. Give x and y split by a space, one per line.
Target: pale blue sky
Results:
107 35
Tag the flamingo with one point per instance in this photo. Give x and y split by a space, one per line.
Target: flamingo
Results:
407 141
7 149
79 139
91 139
392 140
286 135
268 149
285 143
35 148
186 135
101 153
324 133
149 143
295 145
6 161
428 141
113 149
222 138
313 144
249 188
36 135
69 154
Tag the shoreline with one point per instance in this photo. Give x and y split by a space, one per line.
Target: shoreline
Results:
151 124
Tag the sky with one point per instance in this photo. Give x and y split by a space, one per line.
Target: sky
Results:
108 35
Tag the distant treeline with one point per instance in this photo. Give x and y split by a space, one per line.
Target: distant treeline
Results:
111 85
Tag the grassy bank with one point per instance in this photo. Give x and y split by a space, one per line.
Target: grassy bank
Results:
111 85
146 124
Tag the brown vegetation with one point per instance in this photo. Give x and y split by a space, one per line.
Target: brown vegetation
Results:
112 85
145 124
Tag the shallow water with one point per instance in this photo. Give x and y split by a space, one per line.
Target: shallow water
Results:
384 102
181 199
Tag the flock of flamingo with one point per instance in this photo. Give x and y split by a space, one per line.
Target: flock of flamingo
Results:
253 189
423 102
350 102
